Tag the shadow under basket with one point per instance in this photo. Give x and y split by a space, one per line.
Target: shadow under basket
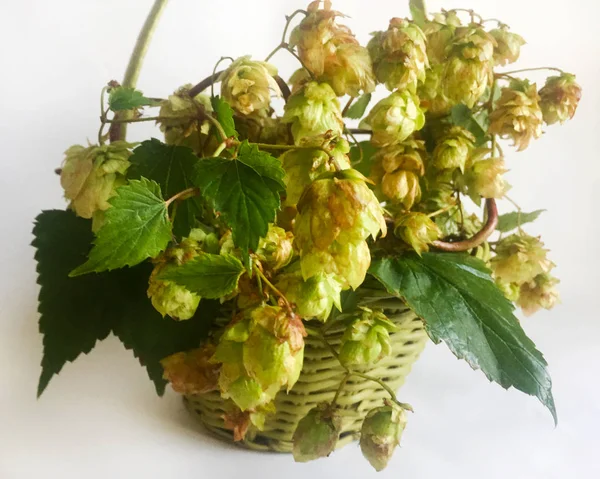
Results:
321 375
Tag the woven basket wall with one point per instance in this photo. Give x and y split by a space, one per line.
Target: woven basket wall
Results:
320 378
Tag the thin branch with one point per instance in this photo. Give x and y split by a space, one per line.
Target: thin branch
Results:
522 70
479 237
137 58
204 84
262 276
360 131
183 195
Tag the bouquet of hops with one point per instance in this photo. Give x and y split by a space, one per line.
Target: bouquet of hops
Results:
218 252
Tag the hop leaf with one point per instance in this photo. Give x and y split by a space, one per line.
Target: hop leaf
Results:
124 98
136 228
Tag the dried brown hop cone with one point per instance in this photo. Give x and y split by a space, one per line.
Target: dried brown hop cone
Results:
559 98
518 114
192 372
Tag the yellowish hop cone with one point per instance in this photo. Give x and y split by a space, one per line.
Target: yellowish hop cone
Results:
417 230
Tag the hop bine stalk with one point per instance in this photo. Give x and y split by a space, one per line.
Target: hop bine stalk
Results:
134 67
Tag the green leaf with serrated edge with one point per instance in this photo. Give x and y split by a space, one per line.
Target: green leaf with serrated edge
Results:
510 221
209 275
244 192
75 313
461 305
263 163
136 227
357 110
462 116
224 114
364 165
172 167
124 98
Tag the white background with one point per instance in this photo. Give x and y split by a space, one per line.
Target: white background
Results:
101 419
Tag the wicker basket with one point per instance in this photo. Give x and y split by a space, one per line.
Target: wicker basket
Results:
320 378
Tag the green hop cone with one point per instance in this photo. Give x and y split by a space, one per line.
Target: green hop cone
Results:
465 80
317 434
349 70
275 250
519 259
518 114
396 169
511 291
431 92
394 118
407 155
366 339
192 372
417 230
303 166
453 149
167 297
402 187
259 354
313 110
381 432
315 297
340 207
439 33
508 45
484 179
332 53
349 262
399 55
247 86
90 175
468 70
559 98
538 293
182 120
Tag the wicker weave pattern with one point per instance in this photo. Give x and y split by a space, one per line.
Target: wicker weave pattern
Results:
320 378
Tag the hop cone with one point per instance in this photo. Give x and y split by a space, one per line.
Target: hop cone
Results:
167 297
399 55
332 53
247 86
538 293
559 98
275 250
313 110
380 434
315 297
303 166
349 262
366 339
191 372
519 259
395 118
182 120
260 354
316 434
439 34
484 179
468 70
431 91
417 230
453 149
341 208
518 114
89 176
508 46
